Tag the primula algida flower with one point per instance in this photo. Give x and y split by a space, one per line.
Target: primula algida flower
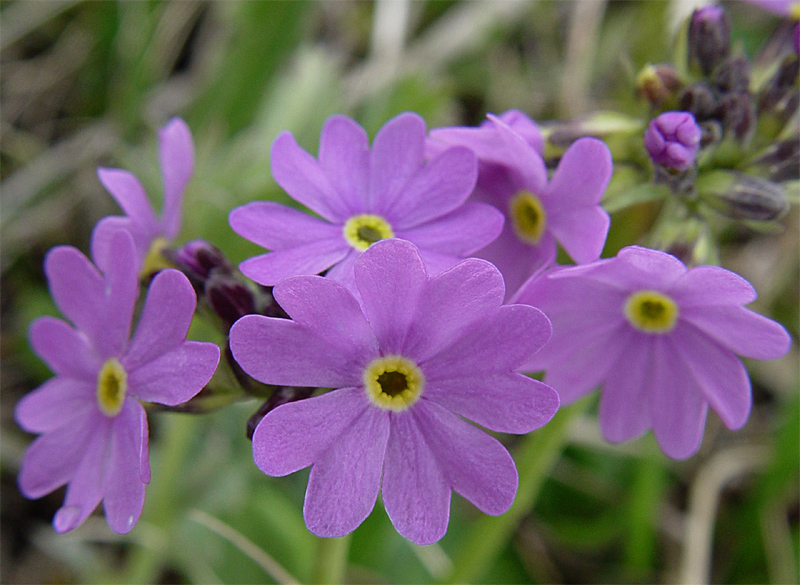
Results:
661 340
539 213
423 351
364 195
150 234
94 429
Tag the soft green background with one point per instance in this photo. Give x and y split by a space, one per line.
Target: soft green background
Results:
85 84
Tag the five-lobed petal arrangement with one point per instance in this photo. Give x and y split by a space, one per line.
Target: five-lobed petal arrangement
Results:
539 213
661 339
421 353
363 195
150 234
94 432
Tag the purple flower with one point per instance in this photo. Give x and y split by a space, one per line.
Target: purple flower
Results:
790 8
672 139
661 340
709 36
538 213
150 234
92 424
364 196
423 351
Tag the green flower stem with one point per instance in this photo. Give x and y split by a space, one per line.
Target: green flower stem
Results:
331 560
535 456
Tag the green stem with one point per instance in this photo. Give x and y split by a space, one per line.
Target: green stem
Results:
331 560
489 535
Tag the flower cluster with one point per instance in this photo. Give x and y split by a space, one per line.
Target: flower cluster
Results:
418 288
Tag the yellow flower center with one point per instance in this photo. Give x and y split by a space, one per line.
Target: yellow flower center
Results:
361 231
112 384
393 382
155 260
794 11
651 311
528 217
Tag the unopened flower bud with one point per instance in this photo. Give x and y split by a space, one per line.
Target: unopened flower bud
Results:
672 139
699 99
778 91
741 196
197 259
229 298
782 160
709 37
738 115
657 82
732 75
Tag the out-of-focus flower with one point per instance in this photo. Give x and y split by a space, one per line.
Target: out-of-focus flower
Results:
672 139
150 234
422 352
539 213
660 339
709 36
788 8
364 196
93 427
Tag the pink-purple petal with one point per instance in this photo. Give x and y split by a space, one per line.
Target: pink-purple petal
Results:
328 310
276 227
502 340
311 258
53 459
582 232
521 158
175 376
416 494
460 233
506 402
55 403
719 373
702 286
678 408
65 350
128 192
176 153
87 488
124 491
302 177
577 368
440 187
104 232
740 330
113 318
397 154
451 301
475 465
581 177
166 317
295 435
344 482
390 279
624 411
76 287
279 351
344 156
